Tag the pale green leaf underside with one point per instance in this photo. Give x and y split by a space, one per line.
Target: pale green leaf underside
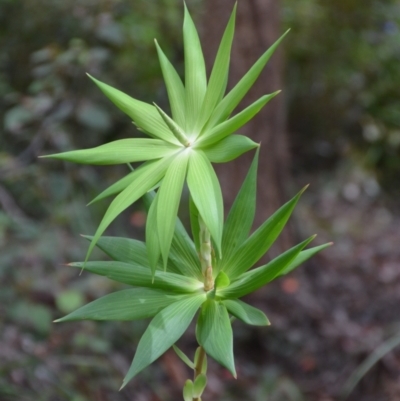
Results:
229 148
152 239
118 186
219 74
256 278
163 331
206 194
195 73
145 179
246 313
214 334
233 98
168 203
130 304
139 276
144 115
260 241
120 152
175 88
226 128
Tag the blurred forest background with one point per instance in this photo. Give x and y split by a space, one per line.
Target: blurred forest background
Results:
341 98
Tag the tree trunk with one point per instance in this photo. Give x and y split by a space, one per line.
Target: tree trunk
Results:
257 27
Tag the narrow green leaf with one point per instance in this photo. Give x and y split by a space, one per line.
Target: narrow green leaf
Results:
233 98
240 218
219 74
229 148
129 250
144 180
188 391
120 152
199 385
213 134
183 253
194 223
130 304
183 357
152 237
115 188
123 249
222 280
246 313
144 115
175 88
260 241
177 131
169 197
206 194
195 73
304 256
139 276
163 331
254 279
214 334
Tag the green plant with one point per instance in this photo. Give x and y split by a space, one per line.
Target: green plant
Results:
173 275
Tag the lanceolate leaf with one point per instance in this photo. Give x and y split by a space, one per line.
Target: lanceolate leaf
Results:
214 333
183 253
152 238
175 88
206 194
194 223
260 241
163 331
169 197
131 304
144 180
144 115
233 98
219 74
123 249
183 357
138 276
195 72
118 186
229 148
304 256
254 279
120 152
240 218
246 313
226 128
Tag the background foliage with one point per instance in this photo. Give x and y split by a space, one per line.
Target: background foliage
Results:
344 120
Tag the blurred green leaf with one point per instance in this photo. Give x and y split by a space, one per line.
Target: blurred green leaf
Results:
246 313
130 304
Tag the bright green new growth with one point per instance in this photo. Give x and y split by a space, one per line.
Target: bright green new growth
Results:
182 147
174 276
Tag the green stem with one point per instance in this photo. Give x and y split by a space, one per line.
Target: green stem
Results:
205 256
199 367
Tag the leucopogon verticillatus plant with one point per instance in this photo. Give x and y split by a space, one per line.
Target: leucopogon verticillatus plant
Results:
172 275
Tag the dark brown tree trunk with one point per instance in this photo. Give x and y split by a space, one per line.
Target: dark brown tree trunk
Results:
257 27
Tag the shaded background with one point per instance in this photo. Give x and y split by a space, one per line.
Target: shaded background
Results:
337 124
